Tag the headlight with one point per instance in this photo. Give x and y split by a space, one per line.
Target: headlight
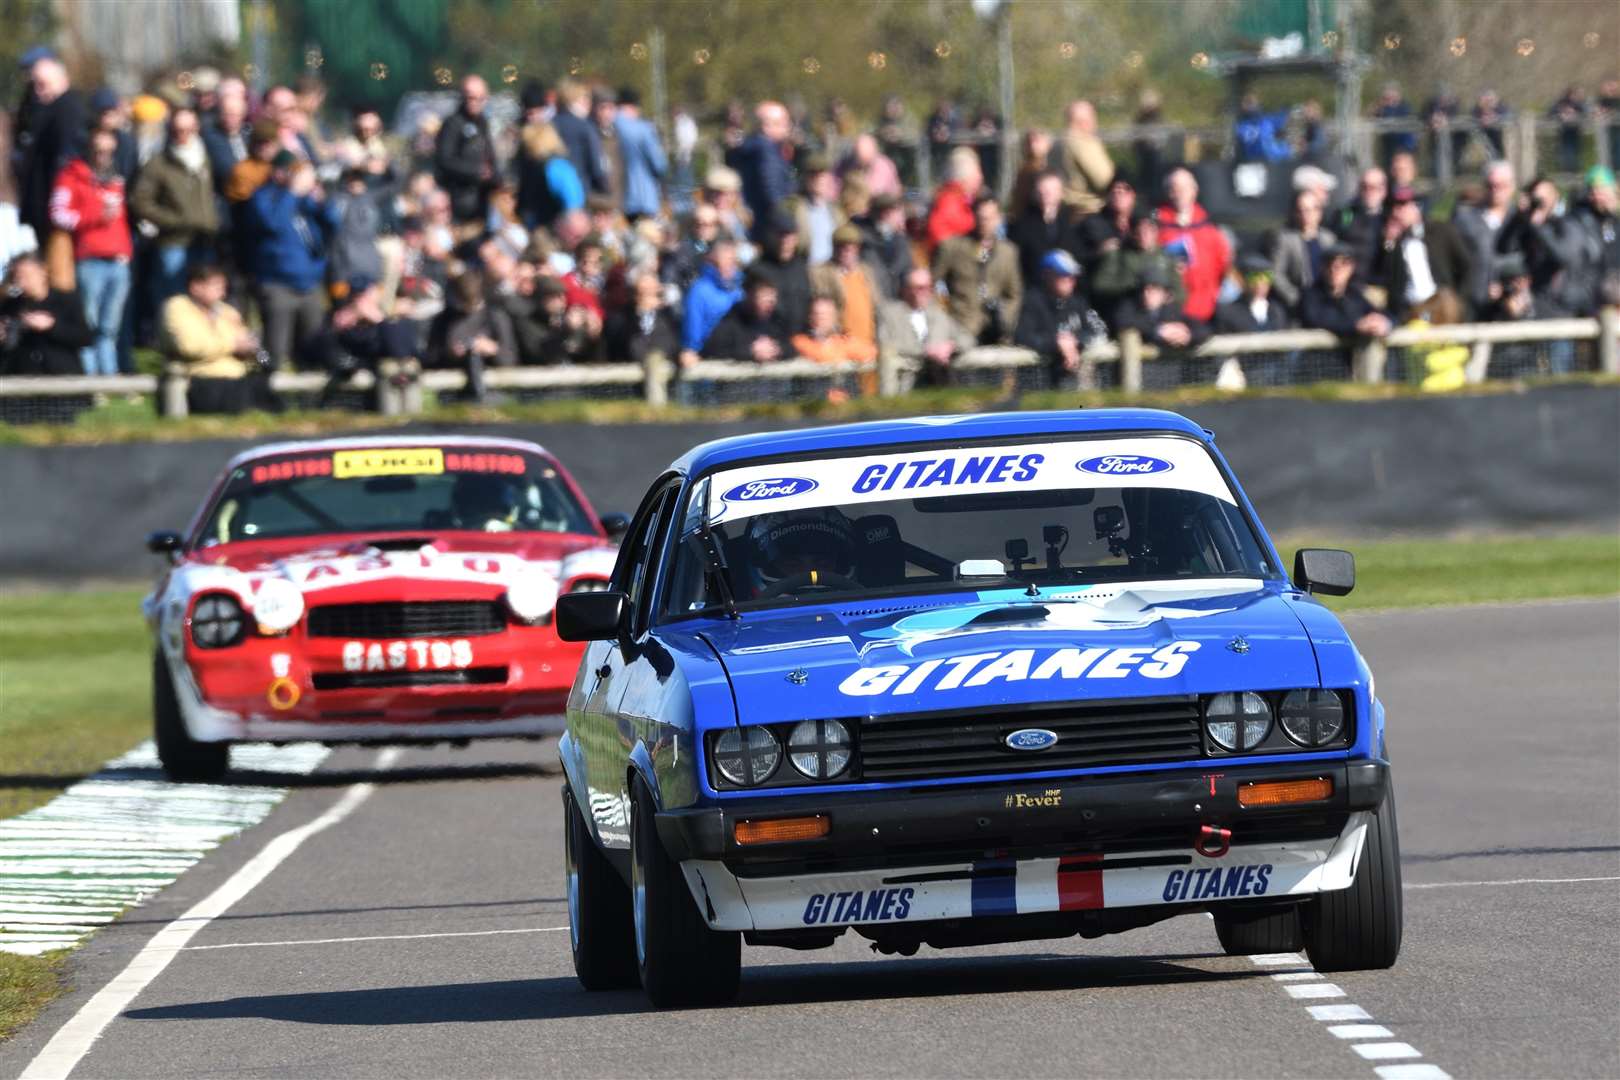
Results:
217 621
589 584
747 756
819 748
1237 721
532 597
1311 717
277 606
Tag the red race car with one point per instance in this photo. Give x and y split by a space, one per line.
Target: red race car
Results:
371 590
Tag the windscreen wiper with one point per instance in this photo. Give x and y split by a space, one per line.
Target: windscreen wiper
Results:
715 568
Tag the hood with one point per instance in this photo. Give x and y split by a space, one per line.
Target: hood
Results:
1003 648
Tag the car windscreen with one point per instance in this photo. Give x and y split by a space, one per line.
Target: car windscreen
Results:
1051 516
397 489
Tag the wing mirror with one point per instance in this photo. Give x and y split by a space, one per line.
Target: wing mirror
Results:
591 616
1328 571
165 542
616 525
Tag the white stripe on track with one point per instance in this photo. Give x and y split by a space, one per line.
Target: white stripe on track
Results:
73 1039
377 937
1511 881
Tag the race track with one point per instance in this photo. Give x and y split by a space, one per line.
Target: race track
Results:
421 930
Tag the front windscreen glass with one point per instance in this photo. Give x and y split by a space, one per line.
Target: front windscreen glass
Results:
1052 517
393 489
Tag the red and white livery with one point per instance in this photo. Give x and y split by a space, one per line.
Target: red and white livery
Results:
371 590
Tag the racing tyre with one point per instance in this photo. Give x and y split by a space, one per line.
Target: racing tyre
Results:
599 927
1359 928
682 961
1273 932
184 758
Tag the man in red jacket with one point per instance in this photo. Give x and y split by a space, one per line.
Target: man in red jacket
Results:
1186 231
87 203
952 212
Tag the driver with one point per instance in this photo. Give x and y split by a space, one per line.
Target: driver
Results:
811 544
484 502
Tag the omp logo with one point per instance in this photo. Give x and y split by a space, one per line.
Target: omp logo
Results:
1031 739
776 488
1124 465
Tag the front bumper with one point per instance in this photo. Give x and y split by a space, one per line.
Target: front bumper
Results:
1014 849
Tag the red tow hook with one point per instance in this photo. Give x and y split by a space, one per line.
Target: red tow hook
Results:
1213 841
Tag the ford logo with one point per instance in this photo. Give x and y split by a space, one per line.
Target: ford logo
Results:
776 488
1124 465
1031 739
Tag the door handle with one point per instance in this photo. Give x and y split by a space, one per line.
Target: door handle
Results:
604 671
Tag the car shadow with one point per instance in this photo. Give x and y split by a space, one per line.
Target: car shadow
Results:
763 986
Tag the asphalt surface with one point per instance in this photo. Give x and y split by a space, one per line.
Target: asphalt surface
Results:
1506 739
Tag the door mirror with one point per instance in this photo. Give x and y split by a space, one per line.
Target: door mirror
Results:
165 542
591 616
1328 571
616 525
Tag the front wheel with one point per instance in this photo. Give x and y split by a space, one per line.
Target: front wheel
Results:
1359 928
184 758
682 961
598 909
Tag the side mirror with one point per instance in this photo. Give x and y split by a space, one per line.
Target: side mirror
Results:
1328 571
616 525
591 616
165 542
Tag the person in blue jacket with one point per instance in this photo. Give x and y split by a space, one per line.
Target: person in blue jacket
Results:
287 223
717 289
642 155
1259 134
762 162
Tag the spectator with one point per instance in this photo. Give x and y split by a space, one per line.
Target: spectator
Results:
867 161
604 108
886 244
717 289
1332 304
1480 227
206 335
941 128
173 205
1110 228
358 334
722 189
897 135
762 163
288 222
646 328
1151 148
692 249
1298 249
107 114
226 137
642 156
253 171
464 154
1056 322
88 204
826 342
281 105
1594 274
1492 117
917 327
471 334
1087 168
1440 114
984 290
1035 162
817 210
42 329
1154 313
1403 173
358 221
1360 225
952 212
1570 111
1185 225
1253 312
1044 226
548 185
611 230
1120 270
1314 145
1393 110
583 285
753 329
1518 300
1548 243
579 135
366 149
309 99
785 266
1259 134
50 132
853 284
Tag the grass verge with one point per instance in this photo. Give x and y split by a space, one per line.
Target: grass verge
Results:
27 985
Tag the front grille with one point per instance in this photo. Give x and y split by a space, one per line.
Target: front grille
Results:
347 680
971 742
408 619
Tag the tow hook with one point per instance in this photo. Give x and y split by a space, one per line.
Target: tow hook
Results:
1213 841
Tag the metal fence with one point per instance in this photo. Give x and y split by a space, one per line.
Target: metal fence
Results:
1436 358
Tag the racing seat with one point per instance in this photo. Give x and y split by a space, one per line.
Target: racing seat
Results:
880 557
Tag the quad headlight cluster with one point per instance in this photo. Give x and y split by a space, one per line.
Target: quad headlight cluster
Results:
218 621
815 750
1238 723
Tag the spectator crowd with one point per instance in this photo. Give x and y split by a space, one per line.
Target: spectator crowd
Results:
242 234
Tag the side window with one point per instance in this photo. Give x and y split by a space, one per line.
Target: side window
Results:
634 544
637 558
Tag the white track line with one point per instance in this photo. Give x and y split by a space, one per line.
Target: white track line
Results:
376 937
74 1038
1511 881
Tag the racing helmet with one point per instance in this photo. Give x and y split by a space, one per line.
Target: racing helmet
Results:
816 540
486 502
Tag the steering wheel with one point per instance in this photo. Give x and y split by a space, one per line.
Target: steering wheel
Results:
814 579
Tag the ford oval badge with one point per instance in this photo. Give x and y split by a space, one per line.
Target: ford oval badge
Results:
1124 465
1031 739
779 487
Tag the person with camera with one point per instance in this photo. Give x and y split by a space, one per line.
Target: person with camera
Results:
984 289
42 329
288 223
227 371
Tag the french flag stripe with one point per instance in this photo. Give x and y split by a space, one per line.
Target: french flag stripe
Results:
1080 883
995 887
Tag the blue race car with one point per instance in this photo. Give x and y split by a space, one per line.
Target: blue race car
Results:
964 680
